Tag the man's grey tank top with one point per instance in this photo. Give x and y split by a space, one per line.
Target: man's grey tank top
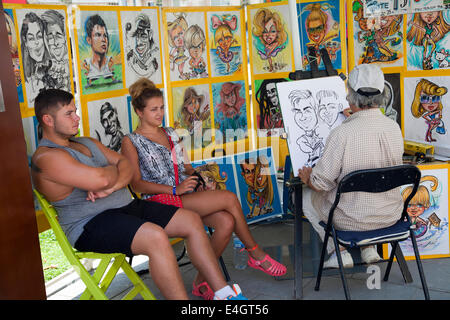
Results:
75 211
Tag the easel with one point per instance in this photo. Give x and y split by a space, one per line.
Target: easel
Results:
297 184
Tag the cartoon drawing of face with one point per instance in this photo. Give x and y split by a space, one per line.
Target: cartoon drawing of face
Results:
35 41
196 51
316 30
177 35
269 33
429 17
142 41
415 210
304 114
193 106
56 41
98 40
429 102
248 172
329 110
272 94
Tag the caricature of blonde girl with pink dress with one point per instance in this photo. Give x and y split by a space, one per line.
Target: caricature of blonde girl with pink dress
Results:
428 105
419 204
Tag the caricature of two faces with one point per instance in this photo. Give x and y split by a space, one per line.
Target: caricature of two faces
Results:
310 112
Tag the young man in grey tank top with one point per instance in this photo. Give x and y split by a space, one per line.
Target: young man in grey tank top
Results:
86 182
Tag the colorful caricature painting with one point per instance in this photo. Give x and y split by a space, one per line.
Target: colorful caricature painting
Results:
428 211
319 29
109 121
44 49
14 49
426 110
377 39
191 111
187 45
99 51
142 49
311 109
230 110
251 176
428 40
225 42
270 41
268 111
258 189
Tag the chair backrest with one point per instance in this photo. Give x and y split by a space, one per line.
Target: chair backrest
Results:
379 180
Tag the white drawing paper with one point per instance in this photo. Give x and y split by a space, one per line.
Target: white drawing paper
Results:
310 109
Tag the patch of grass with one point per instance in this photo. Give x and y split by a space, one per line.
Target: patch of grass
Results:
54 262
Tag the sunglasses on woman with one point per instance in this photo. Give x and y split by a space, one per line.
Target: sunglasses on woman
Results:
429 99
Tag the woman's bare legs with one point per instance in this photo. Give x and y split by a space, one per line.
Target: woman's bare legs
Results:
223 225
188 225
152 241
208 202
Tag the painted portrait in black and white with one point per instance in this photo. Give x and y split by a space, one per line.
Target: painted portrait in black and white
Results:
44 48
142 58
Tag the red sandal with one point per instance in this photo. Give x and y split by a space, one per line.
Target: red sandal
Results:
207 295
276 269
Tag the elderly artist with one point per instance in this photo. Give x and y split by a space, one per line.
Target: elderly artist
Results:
366 139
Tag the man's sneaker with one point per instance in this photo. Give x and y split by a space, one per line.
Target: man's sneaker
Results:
238 291
332 261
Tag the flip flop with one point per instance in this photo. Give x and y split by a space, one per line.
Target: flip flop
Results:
207 295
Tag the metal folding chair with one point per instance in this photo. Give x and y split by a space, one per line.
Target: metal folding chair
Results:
374 181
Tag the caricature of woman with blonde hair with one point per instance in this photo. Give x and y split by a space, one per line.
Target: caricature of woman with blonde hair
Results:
428 105
427 28
210 173
224 28
320 28
270 32
176 30
260 197
419 204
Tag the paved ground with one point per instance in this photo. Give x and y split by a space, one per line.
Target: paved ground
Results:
277 239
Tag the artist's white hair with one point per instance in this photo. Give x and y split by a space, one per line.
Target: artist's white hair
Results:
365 102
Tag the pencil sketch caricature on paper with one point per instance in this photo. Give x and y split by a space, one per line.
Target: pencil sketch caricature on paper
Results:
304 108
310 110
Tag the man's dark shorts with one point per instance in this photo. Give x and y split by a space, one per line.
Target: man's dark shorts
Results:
113 230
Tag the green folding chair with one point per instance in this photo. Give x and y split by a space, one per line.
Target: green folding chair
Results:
99 282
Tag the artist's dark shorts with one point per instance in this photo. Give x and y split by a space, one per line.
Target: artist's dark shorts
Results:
113 230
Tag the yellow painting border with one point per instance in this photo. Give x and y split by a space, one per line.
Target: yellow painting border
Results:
25 110
430 256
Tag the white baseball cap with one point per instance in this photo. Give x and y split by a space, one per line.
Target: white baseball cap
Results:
366 79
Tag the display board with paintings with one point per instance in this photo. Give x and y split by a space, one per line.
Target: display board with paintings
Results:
115 46
207 87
